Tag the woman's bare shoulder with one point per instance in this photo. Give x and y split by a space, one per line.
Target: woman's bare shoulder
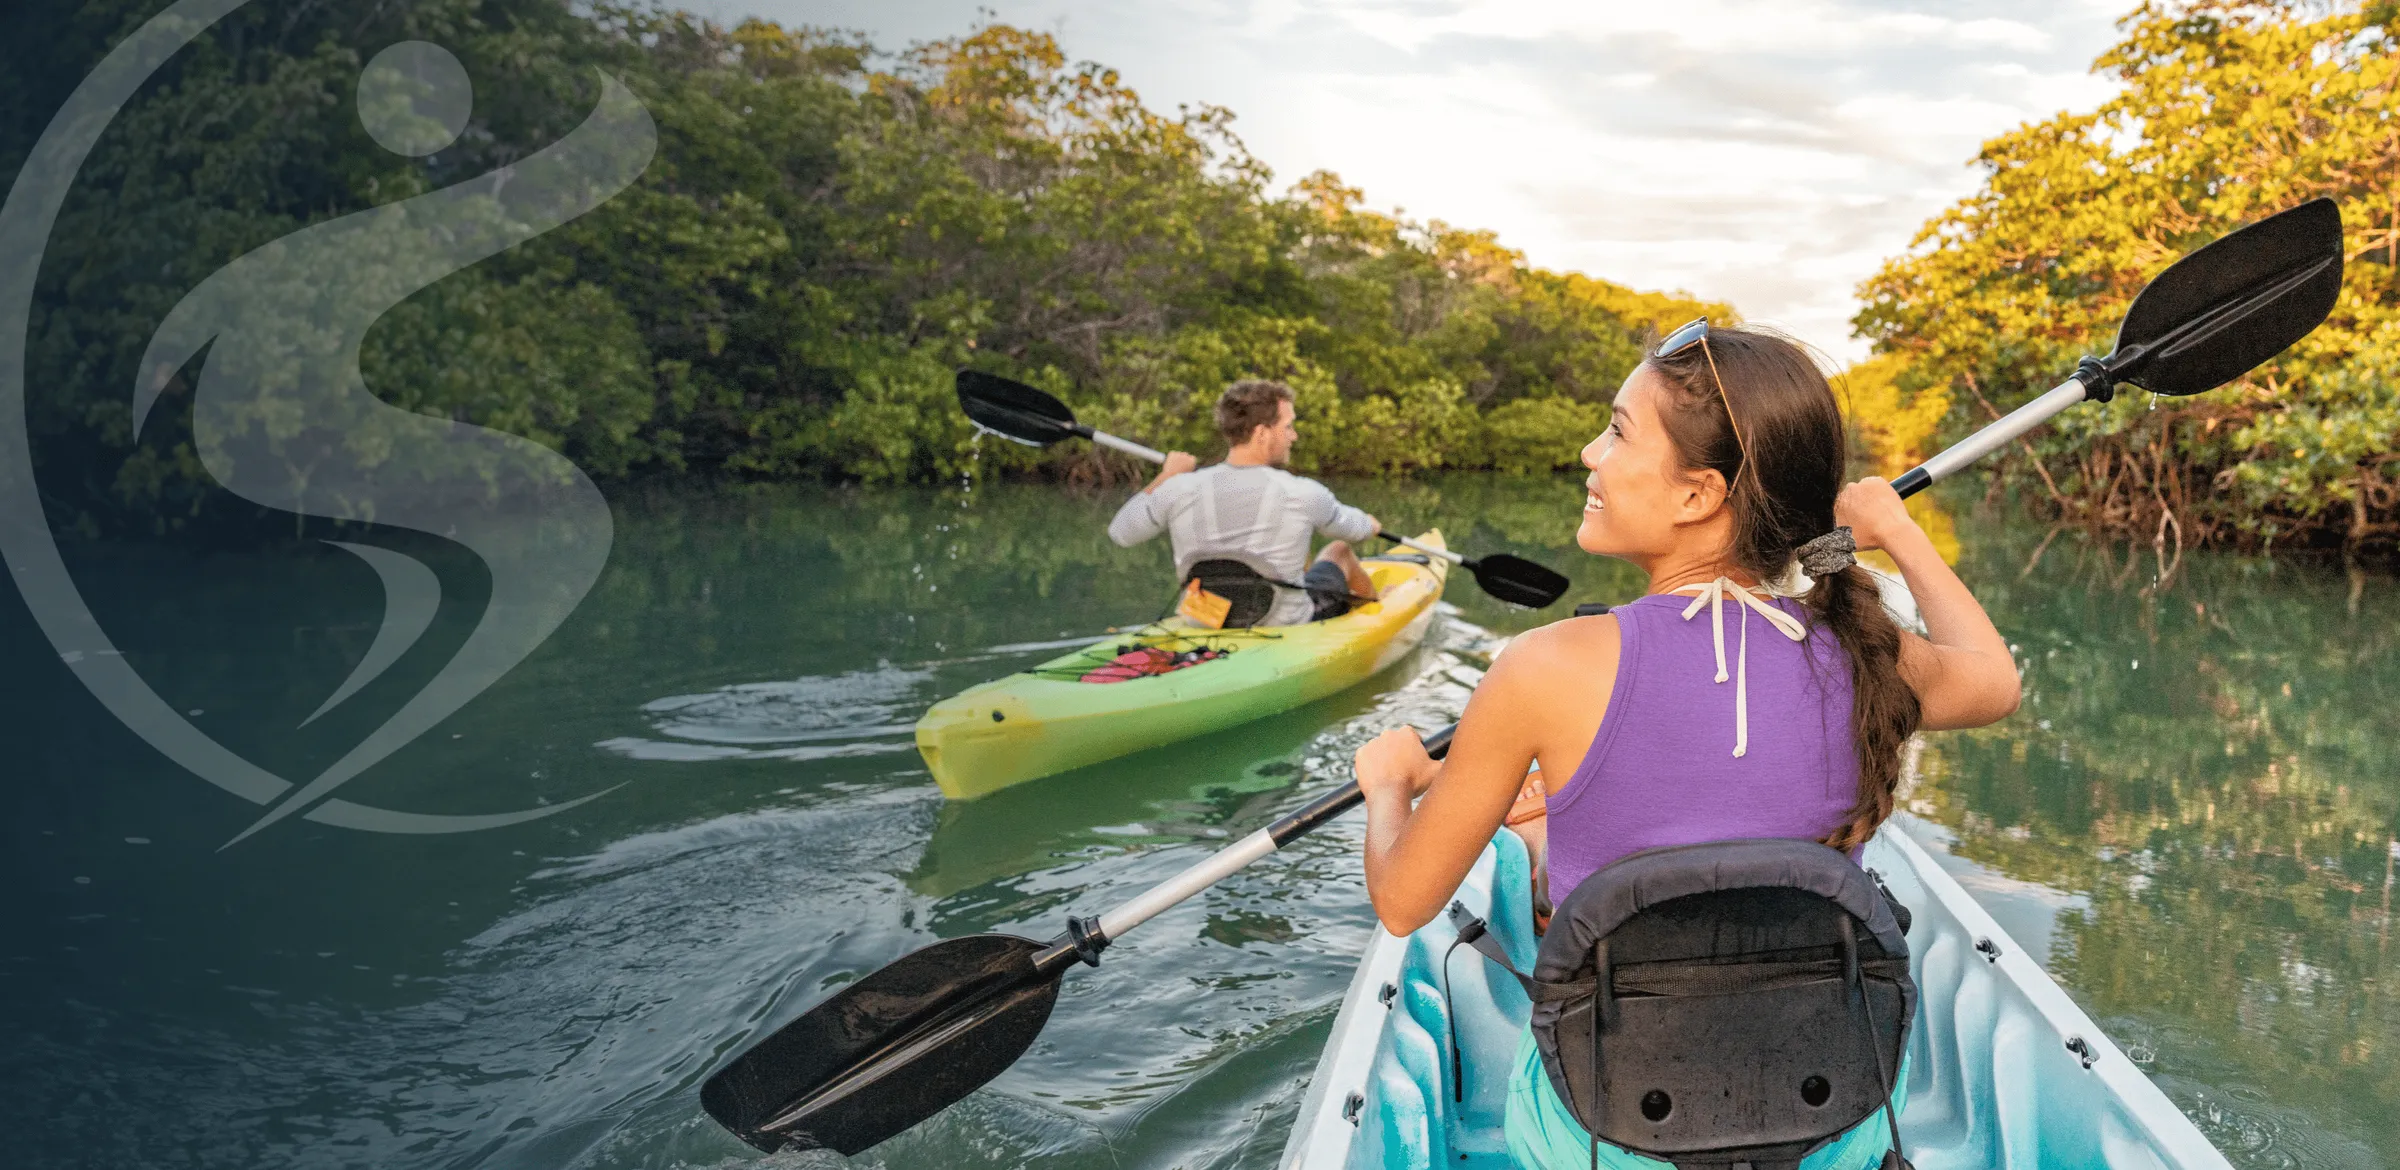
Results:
1574 645
1553 683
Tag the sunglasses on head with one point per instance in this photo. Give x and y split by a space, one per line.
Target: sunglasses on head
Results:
1696 333
1683 338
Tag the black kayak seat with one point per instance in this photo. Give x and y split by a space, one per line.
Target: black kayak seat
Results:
1250 592
1732 1004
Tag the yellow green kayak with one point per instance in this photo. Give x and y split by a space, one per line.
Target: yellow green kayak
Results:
1048 719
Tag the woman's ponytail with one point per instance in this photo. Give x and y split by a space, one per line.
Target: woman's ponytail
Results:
1883 708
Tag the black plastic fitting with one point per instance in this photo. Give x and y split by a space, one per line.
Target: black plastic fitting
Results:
1089 942
2098 384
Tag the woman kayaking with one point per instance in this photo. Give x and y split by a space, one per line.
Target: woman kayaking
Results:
1727 702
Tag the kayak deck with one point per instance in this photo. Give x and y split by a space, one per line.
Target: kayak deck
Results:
1046 720
1992 1079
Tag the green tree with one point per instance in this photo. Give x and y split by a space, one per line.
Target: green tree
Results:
826 234
251 134
2229 112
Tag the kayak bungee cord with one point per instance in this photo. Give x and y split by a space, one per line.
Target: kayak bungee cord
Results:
1155 635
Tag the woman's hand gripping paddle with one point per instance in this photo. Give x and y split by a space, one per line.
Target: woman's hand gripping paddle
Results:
1021 414
907 1041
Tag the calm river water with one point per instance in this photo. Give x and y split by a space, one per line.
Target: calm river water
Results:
2193 817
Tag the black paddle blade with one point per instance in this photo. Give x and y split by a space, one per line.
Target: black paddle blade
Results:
1518 581
2217 313
1014 410
888 1051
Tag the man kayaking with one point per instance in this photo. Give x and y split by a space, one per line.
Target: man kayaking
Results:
1726 703
1250 511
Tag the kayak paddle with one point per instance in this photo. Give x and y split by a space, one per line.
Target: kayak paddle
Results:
2208 319
1022 414
1514 580
907 1041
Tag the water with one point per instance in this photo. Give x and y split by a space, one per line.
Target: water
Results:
2200 844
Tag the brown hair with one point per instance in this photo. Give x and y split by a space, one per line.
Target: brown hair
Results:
1248 405
1797 454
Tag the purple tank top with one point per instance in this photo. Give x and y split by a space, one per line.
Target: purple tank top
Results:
1662 771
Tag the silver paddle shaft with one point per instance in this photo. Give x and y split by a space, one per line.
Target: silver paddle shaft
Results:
1128 446
1288 828
1159 898
1445 554
1991 438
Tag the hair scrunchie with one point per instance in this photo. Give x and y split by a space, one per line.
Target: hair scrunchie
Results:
1828 554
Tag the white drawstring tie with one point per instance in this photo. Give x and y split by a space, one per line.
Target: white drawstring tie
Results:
1713 596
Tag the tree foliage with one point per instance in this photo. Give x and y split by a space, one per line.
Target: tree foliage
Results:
2229 112
828 231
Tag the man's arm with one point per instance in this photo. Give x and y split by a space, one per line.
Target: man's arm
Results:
1137 521
1178 462
1146 514
1334 518
1143 517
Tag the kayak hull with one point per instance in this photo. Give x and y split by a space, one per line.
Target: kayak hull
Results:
1045 721
1992 1079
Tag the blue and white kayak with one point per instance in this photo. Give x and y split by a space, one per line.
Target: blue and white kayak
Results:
2004 1069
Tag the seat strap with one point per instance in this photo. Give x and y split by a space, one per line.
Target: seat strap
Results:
1691 979
1475 933
1894 1158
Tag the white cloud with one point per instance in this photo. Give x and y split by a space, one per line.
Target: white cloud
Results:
1769 154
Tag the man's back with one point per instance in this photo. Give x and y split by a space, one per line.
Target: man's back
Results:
1261 516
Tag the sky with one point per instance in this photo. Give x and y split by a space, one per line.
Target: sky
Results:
1766 154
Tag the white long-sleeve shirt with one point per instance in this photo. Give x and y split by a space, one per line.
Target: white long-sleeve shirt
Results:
1261 516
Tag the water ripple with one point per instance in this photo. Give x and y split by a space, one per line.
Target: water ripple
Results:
855 704
826 717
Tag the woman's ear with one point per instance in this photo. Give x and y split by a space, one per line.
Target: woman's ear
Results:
1699 495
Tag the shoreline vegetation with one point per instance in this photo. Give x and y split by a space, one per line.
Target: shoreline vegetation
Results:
826 234
830 229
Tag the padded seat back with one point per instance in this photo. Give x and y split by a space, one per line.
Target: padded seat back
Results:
1737 1003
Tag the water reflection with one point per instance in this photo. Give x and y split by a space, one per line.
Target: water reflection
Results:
2192 818
2207 767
